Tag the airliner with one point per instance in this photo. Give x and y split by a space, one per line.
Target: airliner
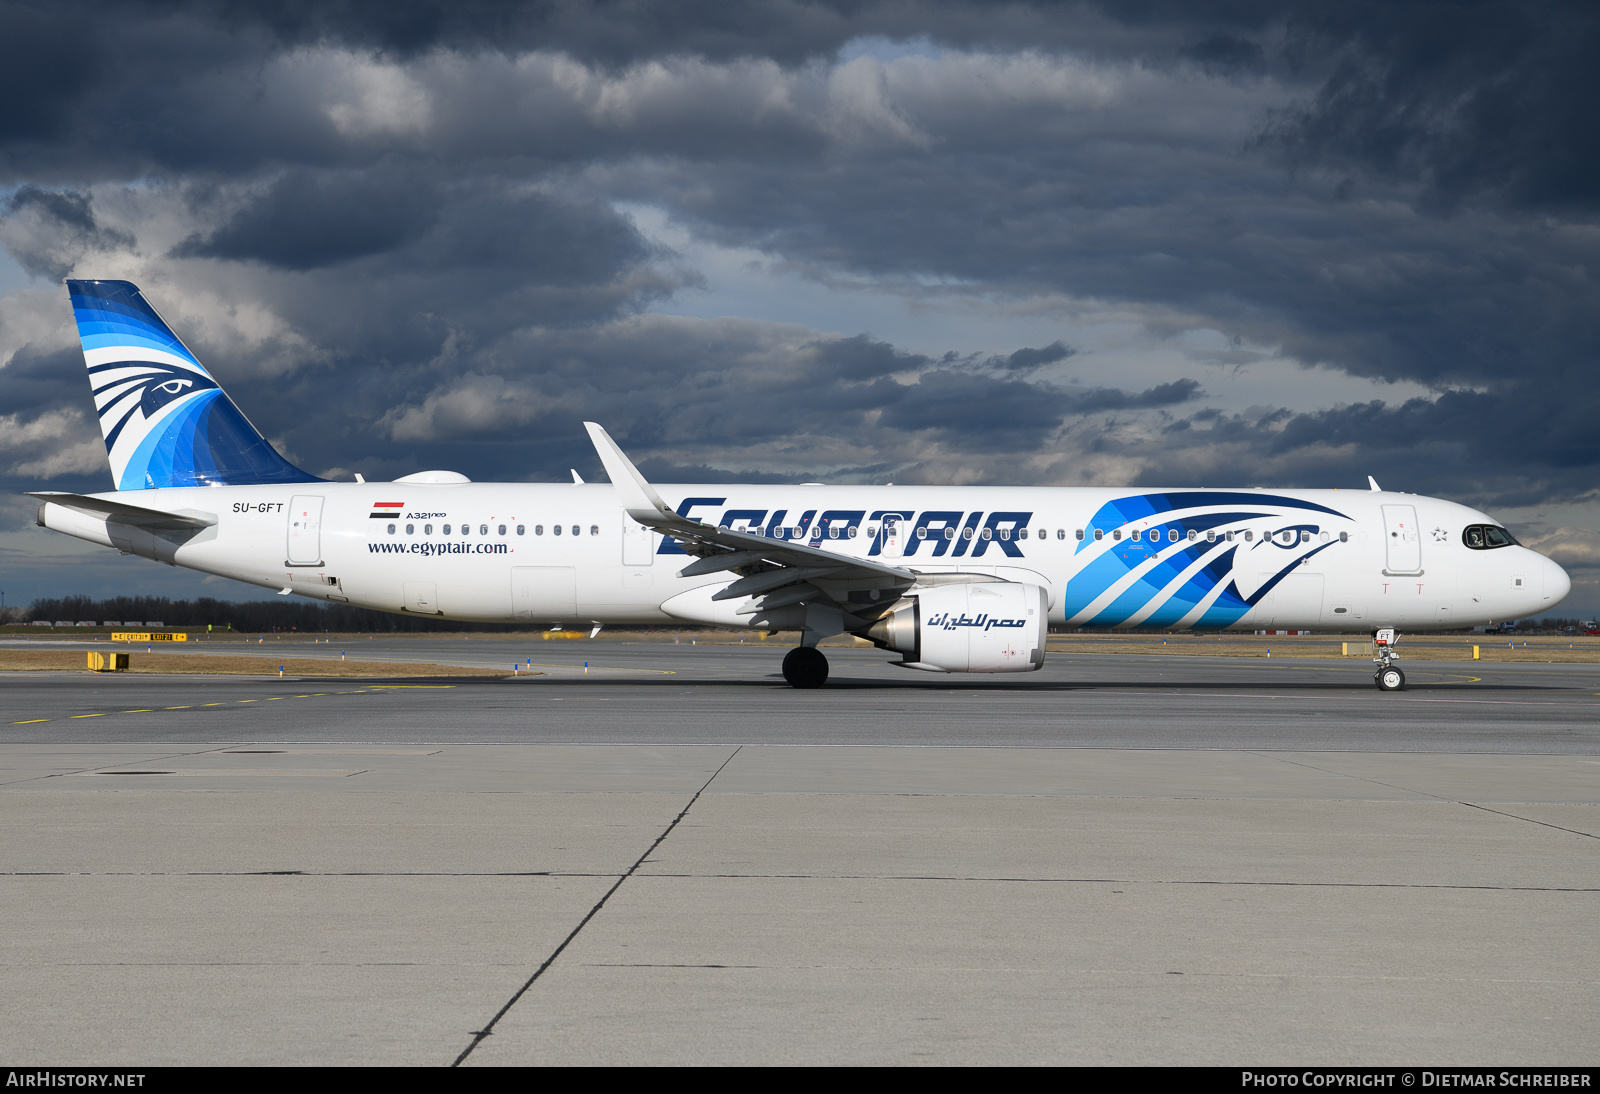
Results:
947 579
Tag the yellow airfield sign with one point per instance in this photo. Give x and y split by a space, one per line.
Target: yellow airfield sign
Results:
149 636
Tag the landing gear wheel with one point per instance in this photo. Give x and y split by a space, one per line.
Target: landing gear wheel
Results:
805 668
1390 679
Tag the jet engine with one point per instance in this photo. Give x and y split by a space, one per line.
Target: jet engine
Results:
991 626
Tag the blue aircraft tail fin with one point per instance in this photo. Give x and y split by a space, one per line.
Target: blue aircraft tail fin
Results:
165 420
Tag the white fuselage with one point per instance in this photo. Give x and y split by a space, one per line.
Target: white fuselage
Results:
1241 559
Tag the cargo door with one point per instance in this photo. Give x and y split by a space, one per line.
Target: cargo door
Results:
544 594
1296 602
305 530
1404 543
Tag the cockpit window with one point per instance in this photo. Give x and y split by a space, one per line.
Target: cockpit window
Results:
1486 537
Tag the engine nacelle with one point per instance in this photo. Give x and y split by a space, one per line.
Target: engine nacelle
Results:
990 626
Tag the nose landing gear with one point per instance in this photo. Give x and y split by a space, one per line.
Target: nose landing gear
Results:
1388 678
805 667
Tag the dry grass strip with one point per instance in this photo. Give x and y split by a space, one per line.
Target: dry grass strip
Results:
206 665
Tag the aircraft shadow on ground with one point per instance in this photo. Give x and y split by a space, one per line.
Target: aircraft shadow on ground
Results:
967 683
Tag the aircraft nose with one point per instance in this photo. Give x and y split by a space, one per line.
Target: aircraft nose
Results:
1556 584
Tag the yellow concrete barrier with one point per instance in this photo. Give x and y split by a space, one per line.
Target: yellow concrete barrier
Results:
108 662
149 636
1474 653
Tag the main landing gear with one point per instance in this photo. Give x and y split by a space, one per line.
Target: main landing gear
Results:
805 667
1388 678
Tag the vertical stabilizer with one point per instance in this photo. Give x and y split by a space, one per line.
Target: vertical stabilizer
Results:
165 420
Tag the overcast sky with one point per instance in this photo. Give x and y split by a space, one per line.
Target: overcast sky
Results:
1059 244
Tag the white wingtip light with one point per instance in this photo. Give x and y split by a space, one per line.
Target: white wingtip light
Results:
636 494
1372 482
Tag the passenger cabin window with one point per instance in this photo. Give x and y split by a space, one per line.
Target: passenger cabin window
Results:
521 529
574 529
502 529
594 529
1116 534
1193 535
427 529
1134 535
1099 533
411 529
1344 537
1248 536
483 529
1211 536
538 529
555 529
391 529
1172 535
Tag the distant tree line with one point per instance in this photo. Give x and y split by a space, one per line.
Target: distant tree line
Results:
248 615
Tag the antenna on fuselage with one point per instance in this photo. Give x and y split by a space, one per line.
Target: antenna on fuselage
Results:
1372 482
577 479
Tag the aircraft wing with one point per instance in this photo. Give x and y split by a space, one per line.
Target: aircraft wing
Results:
122 513
772 572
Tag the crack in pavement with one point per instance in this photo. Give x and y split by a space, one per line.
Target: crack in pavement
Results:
478 1036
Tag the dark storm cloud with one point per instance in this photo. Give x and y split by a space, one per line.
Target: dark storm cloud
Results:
1028 358
416 197
618 32
1494 99
307 220
35 380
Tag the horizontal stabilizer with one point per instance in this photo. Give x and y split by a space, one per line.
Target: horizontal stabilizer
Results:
118 512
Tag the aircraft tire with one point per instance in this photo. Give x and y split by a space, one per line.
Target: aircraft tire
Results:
805 667
1390 680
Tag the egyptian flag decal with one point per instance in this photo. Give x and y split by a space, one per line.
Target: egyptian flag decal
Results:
386 510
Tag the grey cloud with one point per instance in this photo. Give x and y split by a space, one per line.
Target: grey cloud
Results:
1499 101
413 201
306 220
1026 358
35 380
49 232
1224 54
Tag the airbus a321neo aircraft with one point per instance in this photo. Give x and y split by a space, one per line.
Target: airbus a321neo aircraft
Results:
949 579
